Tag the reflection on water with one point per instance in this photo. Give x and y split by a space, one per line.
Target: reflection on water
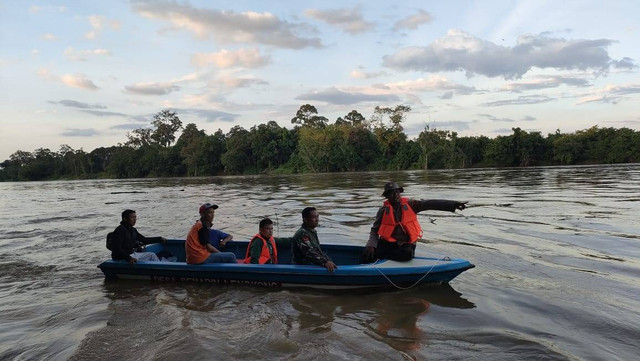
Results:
556 254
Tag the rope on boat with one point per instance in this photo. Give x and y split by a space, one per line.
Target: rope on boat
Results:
445 258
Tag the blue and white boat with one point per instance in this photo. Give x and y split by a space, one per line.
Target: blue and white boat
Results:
348 275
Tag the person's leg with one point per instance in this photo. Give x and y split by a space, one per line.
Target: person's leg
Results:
402 253
145 256
221 257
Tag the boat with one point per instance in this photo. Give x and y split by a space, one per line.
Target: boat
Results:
349 274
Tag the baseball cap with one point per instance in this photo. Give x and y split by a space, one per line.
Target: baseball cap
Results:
204 207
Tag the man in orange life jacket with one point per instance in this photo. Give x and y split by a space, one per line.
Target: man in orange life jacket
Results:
396 229
263 248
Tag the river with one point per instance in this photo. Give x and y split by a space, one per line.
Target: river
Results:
556 251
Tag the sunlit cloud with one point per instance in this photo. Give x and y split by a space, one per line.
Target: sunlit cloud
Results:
460 51
82 55
349 20
98 23
432 83
228 26
412 22
78 81
246 58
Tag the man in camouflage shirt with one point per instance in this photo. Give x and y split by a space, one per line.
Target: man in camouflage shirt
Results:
305 246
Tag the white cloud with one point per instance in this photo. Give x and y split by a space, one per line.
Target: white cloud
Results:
227 26
348 20
522 100
49 37
357 74
78 81
152 88
97 23
543 82
334 96
612 94
433 83
82 55
414 21
460 51
246 58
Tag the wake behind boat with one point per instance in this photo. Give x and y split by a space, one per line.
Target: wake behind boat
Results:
348 275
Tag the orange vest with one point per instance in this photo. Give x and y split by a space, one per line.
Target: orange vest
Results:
196 253
409 222
264 256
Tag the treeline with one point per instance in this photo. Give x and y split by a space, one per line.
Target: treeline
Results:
351 143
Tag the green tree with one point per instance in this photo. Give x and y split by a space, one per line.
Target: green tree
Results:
307 115
166 123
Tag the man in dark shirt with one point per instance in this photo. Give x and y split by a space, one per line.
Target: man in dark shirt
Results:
305 245
396 229
127 243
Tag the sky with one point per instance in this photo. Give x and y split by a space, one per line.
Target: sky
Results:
84 73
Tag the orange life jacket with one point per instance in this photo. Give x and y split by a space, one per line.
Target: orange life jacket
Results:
409 222
264 256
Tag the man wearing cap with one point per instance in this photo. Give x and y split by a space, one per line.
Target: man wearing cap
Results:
198 247
396 228
127 244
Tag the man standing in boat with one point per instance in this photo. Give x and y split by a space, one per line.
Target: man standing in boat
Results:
127 244
305 246
198 247
396 228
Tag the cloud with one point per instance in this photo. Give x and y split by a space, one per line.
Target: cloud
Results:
496 119
414 21
210 115
611 94
76 104
152 88
78 81
81 55
49 37
335 96
522 100
130 126
97 23
364 75
433 83
246 58
348 20
447 95
235 82
80 132
100 113
460 51
543 82
528 118
227 26
624 63
451 125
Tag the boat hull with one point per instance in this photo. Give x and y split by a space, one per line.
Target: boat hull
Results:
348 275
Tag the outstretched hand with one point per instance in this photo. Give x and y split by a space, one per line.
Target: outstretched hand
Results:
461 205
330 266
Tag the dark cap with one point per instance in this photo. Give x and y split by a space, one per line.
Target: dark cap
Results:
204 207
391 186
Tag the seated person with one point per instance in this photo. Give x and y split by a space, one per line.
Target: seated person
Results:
263 247
305 246
127 244
218 238
197 247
